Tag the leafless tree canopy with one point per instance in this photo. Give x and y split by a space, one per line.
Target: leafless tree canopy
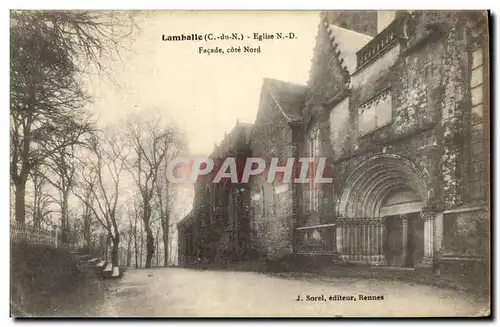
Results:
101 182
153 143
57 148
49 51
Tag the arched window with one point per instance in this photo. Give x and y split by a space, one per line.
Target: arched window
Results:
477 91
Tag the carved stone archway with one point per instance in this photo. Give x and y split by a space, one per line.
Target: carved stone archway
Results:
371 182
385 185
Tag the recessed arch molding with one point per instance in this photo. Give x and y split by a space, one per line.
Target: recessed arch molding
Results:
372 181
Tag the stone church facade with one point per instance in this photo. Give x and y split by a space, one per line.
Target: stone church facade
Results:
217 229
398 103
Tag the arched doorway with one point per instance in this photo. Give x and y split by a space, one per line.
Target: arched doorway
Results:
404 241
379 212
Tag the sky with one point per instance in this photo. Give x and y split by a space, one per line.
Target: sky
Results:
204 94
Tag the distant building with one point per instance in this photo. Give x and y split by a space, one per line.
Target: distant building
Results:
402 116
217 230
272 206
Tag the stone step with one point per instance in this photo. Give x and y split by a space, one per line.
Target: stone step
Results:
108 268
83 256
116 272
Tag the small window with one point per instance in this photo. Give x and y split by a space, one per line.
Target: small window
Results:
476 77
477 58
375 113
476 81
477 95
477 124
477 129
368 120
383 111
477 112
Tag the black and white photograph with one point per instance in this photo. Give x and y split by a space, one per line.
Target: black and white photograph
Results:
196 164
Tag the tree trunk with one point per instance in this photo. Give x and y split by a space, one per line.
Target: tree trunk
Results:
86 230
150 247
129 251
20 207
135 242
106 248
129 257
157 252
37 219
165 246
142 247
64 217
114 250
136 250
37 210
64 210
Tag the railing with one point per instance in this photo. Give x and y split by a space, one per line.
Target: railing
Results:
25 234
380 43
55 238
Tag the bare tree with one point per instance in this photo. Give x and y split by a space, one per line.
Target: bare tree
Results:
165 195
62 164
141 248
157 232
88 203
149 141
136 244
102 175
128 235
40 207
49 50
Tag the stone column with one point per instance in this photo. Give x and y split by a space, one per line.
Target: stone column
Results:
381 243
427 260
339 236
346 241
370 240
381 240
360 242
438 231
354 242
368 251
404 221
349 241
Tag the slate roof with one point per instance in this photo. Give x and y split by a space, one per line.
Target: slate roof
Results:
347 43
287 98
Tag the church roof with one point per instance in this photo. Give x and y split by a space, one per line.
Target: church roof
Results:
187 220
238 138
347 43
287 98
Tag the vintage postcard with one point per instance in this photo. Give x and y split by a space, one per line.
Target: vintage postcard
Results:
250 163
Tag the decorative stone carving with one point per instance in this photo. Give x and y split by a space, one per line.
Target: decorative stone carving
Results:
427 215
